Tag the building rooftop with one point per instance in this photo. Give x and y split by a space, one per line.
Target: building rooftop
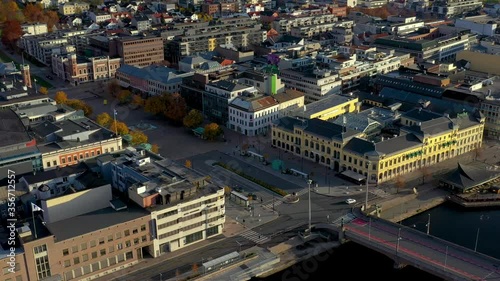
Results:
325 103
228 86
94 221
421 115
253 104
288 95
161 74
54 173
12 130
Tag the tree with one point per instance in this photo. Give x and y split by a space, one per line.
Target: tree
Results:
80 105
61 97
11 32
33 13
114 88
138 100
400 183
227 190
119 127
104 119
155 105
425 173
43 91
138 137
124 96
188 164
193 119
478 152
176 108
51 19
10 11
212 131
195 268
155 148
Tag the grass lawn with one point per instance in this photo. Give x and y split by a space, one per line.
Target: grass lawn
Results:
41 82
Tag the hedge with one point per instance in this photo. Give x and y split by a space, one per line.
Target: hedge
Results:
250 178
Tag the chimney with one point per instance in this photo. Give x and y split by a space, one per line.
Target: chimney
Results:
25 71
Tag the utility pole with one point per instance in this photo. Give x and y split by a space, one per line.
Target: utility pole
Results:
309 182
397 244
370 230
477 239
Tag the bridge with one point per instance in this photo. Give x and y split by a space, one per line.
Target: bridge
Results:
407 246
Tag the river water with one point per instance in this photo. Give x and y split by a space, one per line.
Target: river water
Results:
472 228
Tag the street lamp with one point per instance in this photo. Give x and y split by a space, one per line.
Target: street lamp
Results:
429 224
477 239
309 182
367 177
161 277
399 238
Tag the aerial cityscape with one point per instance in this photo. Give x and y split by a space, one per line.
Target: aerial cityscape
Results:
262 140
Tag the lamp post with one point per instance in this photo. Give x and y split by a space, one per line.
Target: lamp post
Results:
429 224
477 239
161 276
399 238
309 182
367 177
370 230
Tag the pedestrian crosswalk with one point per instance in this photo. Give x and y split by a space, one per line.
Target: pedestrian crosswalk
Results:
344 219
255 236
380 193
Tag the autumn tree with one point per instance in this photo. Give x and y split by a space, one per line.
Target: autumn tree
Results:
155 105
119 127
188 164
9 10
138 137
138 100
176 108
212 131
43 90
80 105
425 172
61 97
124 96
51 19
155 148
114 88
193 119
104 119
11 32
227 190
400 183
33 13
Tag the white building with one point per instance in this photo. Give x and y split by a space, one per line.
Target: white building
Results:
98 17
185 207
315 84
483 25
34 29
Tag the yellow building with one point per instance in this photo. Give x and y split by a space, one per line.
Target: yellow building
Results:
329 107
425 138
73 8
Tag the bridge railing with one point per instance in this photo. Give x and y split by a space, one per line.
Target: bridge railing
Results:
404 258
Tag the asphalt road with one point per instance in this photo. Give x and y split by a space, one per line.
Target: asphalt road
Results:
430 251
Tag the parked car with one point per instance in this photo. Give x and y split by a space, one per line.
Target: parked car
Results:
350 201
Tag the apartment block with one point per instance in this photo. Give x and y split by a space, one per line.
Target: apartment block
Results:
41 47
451 8
184 207
79 69
140 51
338 28
314 83
71 8
34 29
284 24
188 39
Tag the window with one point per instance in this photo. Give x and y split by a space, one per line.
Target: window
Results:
74 249
54 162
92 244
143 227
103 252
65 252
127 243
119 246
40 249
48 163
144 238
118 235
111 249
76 260
135 231
136 241
94 255
85 257
101 240
110 238
63 160
42 267
84 246
67 263
127 233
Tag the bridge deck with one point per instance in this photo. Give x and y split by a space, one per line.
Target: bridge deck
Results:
409 246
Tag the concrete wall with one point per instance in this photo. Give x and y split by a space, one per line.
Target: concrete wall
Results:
76 204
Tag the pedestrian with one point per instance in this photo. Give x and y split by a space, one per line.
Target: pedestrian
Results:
261 200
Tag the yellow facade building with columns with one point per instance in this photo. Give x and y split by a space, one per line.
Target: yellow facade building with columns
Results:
425 138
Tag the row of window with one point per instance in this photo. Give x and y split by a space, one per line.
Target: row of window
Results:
96 266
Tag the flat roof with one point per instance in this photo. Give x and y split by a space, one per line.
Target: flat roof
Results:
93 221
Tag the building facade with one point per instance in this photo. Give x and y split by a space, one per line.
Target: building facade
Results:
76 69
140 51
68 9
426 138
314 84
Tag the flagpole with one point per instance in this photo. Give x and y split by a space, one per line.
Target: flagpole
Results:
116 130
34 225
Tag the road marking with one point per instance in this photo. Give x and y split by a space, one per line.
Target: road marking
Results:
254 236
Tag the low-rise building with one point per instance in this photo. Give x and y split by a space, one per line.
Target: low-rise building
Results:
328 108
267 83
451 8
98 17
34 29
68 142
153 80
184 207
314 83
79 69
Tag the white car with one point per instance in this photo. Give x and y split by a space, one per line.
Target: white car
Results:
350 201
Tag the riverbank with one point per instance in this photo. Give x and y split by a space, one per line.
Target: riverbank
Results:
479 201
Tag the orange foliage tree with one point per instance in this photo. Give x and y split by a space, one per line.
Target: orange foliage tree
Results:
119 127
60 97
11 32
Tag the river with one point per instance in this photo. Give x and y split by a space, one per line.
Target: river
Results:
472 228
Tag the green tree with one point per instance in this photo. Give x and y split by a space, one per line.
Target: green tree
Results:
212 131
193 119
124 97
104 119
